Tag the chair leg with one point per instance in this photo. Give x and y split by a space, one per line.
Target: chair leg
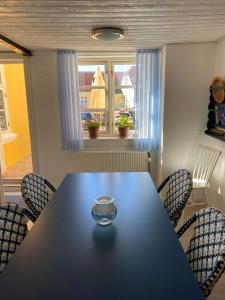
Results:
182 216
206 198
191 198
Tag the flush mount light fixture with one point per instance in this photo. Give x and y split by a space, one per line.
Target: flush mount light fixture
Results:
107 34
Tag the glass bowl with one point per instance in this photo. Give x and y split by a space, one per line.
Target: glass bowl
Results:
104 210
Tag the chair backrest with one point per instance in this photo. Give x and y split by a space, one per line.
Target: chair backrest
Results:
13 229
178 192
34 189
206 251
205 163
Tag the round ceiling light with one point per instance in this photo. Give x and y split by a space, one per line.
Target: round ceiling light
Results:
107 34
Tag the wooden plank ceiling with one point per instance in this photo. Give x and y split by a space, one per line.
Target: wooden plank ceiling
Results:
48 24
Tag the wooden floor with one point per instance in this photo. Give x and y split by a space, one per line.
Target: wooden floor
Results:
18 170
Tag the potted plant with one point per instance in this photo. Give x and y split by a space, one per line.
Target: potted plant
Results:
93 128
124 123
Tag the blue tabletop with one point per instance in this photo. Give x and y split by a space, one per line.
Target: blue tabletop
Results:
67 256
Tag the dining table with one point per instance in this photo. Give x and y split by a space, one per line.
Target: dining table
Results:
67 255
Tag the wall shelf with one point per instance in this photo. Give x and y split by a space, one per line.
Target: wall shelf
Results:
220 126
221 138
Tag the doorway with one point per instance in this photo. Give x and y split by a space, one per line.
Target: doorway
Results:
15 148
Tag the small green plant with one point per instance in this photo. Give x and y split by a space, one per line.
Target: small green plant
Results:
93 123
124 121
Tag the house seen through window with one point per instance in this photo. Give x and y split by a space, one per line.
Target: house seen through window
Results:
107 90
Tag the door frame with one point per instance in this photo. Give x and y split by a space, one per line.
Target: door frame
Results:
13 58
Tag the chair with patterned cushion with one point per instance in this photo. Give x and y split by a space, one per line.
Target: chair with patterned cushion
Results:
179 185
35 191
206 251
13 229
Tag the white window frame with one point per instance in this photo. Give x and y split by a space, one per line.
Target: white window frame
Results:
114 87
110 90
106 88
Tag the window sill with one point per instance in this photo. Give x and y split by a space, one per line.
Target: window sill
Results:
8 137
218 137
110 143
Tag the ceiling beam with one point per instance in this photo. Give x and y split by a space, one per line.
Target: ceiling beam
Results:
14 46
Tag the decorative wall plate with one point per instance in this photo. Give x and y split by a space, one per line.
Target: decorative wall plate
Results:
218 86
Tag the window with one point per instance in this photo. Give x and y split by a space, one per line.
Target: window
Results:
107 90
4 116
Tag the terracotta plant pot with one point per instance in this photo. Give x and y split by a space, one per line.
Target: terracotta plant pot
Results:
123 132
93 132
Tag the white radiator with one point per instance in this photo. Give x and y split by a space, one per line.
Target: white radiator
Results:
112 161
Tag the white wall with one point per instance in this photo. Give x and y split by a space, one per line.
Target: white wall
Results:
216 191
220 58
188 74
53 162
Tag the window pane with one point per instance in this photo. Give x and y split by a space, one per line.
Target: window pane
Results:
124 104
2 106
124 97
88 115
3 124
92 99
125 75
95 101
91 75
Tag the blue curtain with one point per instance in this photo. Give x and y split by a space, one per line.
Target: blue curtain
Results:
148 103
71 129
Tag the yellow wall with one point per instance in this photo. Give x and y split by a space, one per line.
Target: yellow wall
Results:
20 148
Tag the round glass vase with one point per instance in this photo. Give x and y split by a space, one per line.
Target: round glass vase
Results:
104 210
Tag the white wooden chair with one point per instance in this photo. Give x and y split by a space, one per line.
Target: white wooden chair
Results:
206 160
